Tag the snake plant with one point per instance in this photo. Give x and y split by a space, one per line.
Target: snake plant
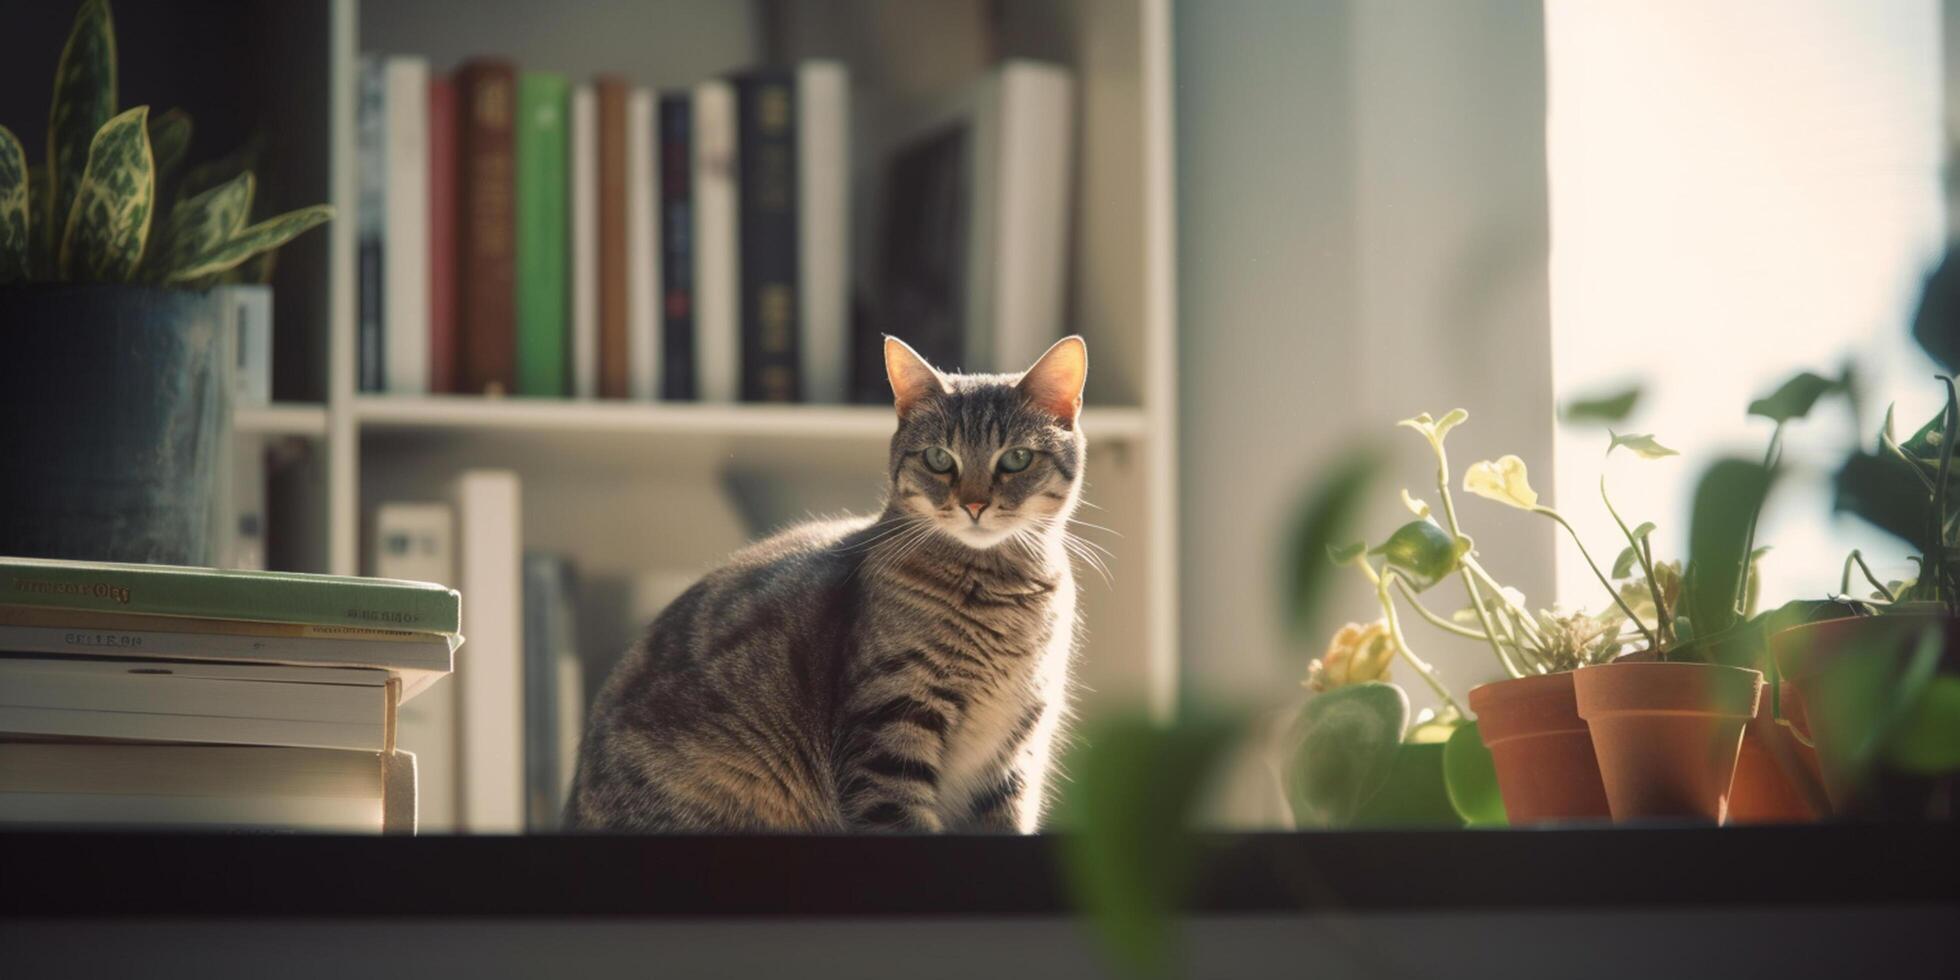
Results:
114 202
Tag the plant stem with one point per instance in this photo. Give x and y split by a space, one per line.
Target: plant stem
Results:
1948 422
1409 596
1603 581
1456 533
1662 627
1517 628
1844 587
1427 673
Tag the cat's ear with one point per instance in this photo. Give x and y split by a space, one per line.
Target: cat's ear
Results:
911 377
1055 381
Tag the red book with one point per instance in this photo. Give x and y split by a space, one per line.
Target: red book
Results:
614 291
442 235
486 232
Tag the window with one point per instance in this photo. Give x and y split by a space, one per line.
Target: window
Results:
1738 191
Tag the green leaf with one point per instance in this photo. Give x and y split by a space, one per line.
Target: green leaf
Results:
1640 445
1795 398
1727 500
1471 776
41 230
267 234
1936 324
170 140
110 222
1928 740
1608 409
16 228
1623 565
84 101
199 225
1322 528
211 173
1640 533
1133 788
1422 552
1883 489
1342 748
1342 554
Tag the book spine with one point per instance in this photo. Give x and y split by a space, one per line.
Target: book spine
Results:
248 317
717 245
125 622
614 315
490 733
823 132
162 591
243 648
643 345
371 130
585 243
677 247
770 304
405 251
543 593
442 235
486 235
543 230
1020 306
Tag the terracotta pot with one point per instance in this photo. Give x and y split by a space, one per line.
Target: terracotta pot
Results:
1805 655
1667 734
1776 774
1541 748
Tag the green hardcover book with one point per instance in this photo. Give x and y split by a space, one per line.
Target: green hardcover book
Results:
208 593
543 234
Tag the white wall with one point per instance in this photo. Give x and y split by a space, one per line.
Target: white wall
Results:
1362 223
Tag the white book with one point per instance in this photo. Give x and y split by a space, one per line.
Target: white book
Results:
490 668
585 243
237 704
717 245
405 248
643 314
823 134
416 541
204 786
418 660
1023 143
245 309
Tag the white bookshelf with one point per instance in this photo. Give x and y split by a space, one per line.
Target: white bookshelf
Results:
624 487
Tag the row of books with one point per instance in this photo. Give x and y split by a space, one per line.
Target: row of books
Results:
158 697
496 750
524 234
521 234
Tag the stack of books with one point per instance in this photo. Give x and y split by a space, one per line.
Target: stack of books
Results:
523 233
154 696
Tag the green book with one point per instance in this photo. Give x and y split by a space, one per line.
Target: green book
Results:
543 234
209 593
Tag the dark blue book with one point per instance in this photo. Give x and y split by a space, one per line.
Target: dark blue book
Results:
770 305
676 231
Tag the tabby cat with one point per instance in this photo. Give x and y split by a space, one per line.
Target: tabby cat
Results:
905 672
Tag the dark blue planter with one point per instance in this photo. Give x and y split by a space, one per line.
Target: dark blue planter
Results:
115 417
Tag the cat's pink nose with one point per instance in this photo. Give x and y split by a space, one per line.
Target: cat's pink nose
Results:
975 507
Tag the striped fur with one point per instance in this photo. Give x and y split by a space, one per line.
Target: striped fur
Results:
902 672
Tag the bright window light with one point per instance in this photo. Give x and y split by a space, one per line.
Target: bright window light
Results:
1739 190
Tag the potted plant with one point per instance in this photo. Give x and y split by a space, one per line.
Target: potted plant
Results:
1874 680
1664 722
115 380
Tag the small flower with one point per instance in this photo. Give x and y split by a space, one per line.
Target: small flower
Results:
1504 481
1568 642
1357 653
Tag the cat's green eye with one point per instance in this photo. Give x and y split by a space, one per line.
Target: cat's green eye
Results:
1016 460
939 460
